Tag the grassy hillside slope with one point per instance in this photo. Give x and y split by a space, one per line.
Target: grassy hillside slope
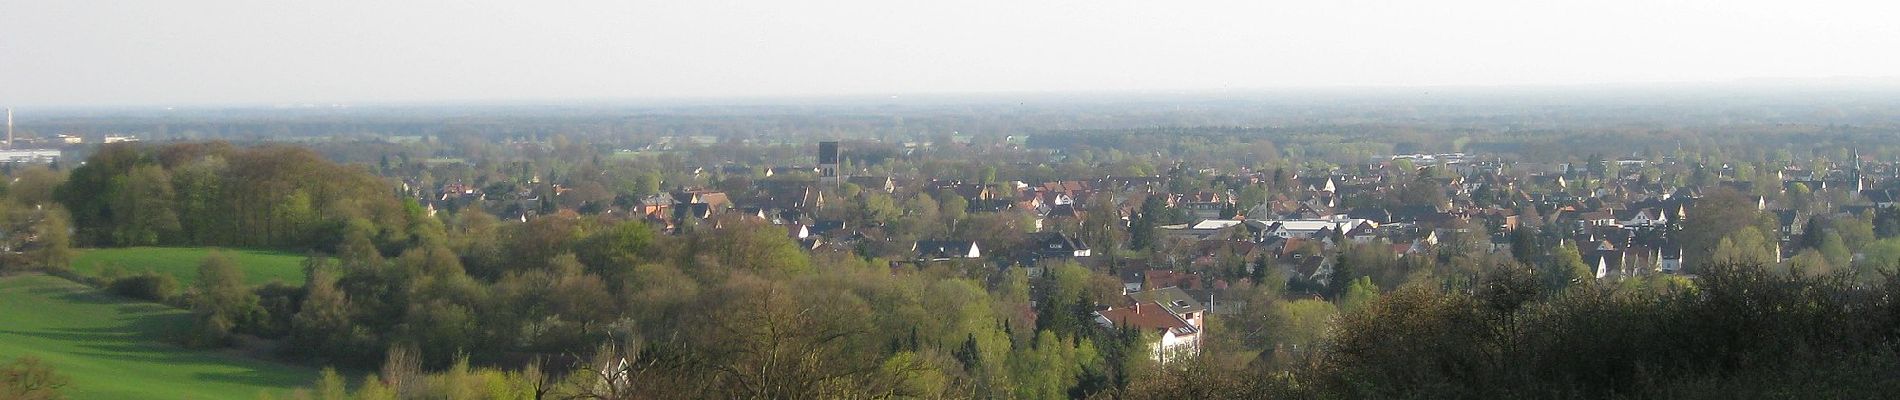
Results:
115 348
260 266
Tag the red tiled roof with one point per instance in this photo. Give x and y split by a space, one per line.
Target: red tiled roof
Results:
1160 278
1150 316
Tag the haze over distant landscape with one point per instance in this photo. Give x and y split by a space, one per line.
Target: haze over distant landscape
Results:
64 53
984 199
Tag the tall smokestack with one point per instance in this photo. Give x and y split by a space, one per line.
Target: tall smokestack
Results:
9 127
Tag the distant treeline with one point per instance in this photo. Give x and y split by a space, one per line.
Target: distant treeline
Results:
215 194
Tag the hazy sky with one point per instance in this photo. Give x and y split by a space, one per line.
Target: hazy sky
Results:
181 52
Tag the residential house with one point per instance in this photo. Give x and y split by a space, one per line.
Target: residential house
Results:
1318 228
1204 229
711 198
1165 278
785 170
1058 245
1643 218
653 206
1206 210
874 183
968 191
828 228
1319 184
943 250
788 195
1171 313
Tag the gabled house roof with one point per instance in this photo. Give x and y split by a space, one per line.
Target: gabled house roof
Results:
781 170
1150 317
946 249
1175 300
827 227
1044 240
878 183
1881 196
694 210
713 198
1064 211
1415 213
1318 183
1595 215
1066 186
1376 214
990 205
968 191
784 195
1164 278
1643 213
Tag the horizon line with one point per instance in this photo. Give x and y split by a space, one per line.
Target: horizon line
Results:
1845 83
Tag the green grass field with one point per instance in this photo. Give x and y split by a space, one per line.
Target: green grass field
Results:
115 348
260 266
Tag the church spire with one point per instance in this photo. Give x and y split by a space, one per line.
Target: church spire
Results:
1856 173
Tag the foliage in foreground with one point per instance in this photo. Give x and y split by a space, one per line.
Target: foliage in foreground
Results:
1739 331
28 378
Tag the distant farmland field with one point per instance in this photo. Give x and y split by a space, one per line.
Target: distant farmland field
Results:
115 348
260 266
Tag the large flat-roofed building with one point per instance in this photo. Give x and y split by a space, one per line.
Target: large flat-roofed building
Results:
29 155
